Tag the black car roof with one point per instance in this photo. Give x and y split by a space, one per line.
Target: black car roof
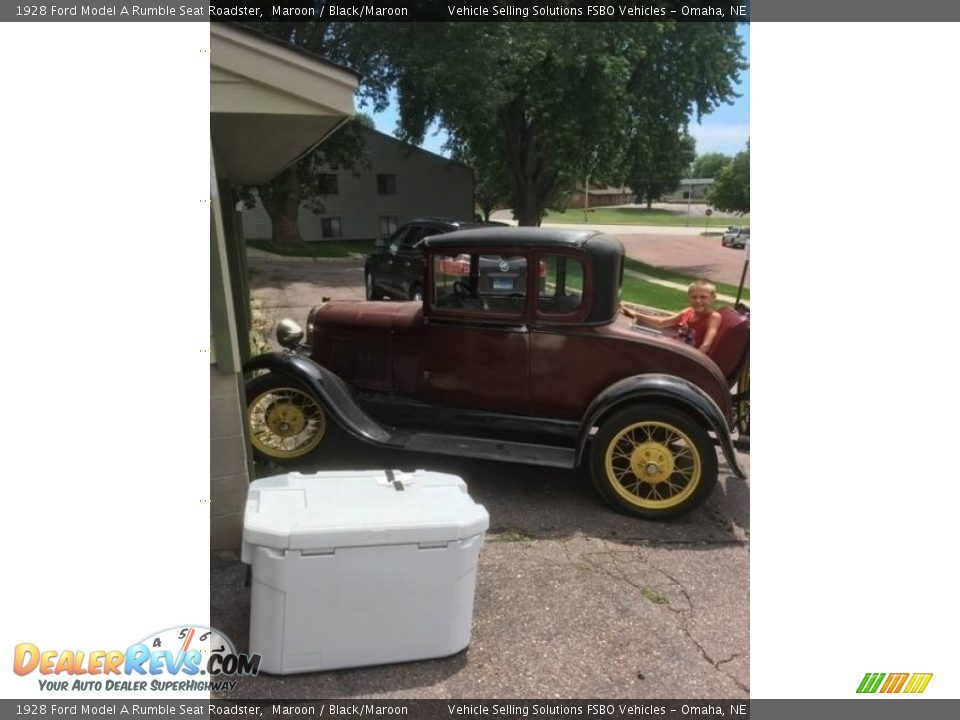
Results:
488 237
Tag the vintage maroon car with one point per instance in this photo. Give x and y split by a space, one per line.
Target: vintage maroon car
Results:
549 374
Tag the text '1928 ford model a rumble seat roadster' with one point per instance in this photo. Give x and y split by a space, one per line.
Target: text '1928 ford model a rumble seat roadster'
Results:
545 371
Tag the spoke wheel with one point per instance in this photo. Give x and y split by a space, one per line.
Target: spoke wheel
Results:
741 402
286 422
653 462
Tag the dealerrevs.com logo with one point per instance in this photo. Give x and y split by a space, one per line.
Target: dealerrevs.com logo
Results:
182 658
894 682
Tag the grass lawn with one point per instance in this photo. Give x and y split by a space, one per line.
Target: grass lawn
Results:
642 216
654 296
722 288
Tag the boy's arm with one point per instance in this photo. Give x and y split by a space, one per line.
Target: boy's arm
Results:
712 327
657 321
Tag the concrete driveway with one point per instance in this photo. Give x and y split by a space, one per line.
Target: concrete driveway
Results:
573 600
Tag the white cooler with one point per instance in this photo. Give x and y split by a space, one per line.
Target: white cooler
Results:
356 568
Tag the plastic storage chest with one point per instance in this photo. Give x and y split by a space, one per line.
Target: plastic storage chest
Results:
360 568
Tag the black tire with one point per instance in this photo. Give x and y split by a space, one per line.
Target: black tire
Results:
416 293
369 285
285 420
653 462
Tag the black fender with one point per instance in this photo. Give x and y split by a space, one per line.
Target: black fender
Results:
332 392
670 389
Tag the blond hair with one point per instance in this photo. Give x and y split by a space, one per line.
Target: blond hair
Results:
703 285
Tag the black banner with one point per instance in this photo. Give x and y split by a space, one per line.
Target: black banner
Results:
852 709
481 10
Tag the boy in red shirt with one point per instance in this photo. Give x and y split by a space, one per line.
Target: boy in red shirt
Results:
697 325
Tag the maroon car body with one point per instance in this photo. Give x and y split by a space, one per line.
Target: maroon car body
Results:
535 376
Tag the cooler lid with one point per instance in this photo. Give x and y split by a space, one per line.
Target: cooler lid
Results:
348 509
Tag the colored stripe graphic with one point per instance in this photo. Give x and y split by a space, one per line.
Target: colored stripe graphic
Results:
894 682
870 682
915 683
918 683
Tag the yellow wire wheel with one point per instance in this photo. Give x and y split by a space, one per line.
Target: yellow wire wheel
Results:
742 400
285 421
653 462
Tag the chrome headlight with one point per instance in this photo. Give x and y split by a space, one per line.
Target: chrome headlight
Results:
310 324
289 334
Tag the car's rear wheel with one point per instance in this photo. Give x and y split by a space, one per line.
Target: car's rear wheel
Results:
286 421
416 293
653 462
741 401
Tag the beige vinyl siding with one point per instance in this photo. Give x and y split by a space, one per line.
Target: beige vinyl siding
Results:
427 185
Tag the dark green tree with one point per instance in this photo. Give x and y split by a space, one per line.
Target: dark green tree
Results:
660 163
554 102
709 165
491 182
730 191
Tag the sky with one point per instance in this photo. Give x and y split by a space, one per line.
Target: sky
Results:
725 130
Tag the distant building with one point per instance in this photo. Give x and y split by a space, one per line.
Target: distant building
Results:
403 182
693 189
601 196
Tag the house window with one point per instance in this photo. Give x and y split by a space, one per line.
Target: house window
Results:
330 227
386 184
327 184
388 225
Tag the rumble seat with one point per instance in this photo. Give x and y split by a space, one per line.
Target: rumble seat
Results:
732 343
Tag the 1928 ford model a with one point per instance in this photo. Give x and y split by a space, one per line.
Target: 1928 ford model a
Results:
504 363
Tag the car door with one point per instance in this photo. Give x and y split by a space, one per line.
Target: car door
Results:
382 259
405 263
476 352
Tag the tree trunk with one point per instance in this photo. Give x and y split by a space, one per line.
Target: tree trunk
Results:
281 200
527 164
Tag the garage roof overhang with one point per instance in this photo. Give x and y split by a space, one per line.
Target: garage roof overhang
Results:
270 104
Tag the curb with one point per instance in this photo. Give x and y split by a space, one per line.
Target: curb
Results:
255 254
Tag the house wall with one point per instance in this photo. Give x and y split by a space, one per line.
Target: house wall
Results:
600 199
427 185
699 191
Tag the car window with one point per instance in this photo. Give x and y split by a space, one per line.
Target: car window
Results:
394 240
560 285
745 231
412 237
485 283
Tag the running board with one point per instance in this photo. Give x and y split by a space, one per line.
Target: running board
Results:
485 449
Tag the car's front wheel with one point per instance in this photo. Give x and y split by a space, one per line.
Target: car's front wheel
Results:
653 462
286 421
368 283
